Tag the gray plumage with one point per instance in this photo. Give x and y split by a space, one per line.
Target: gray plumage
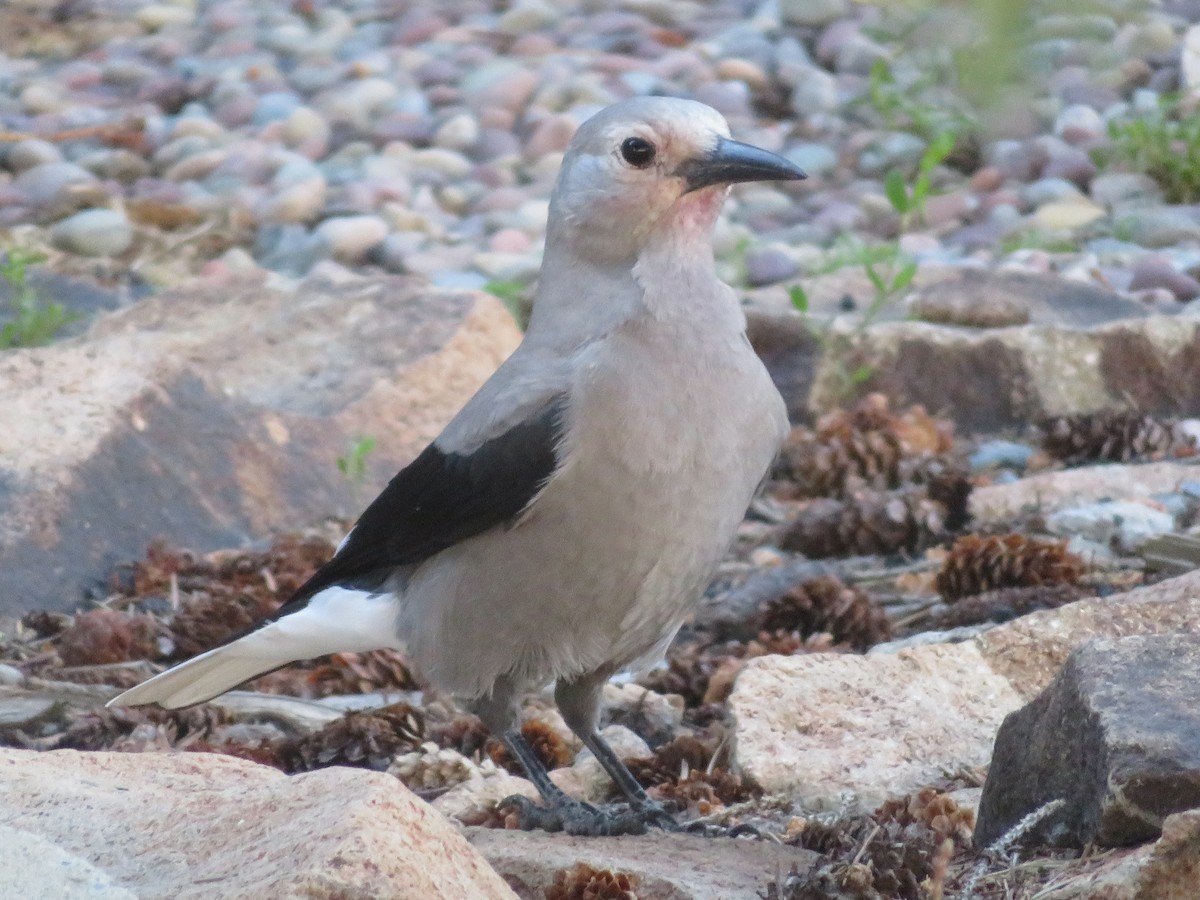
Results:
564 522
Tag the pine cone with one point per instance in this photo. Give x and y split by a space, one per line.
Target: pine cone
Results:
367 740
349 673
934 810
827 605
465 733
977 564
671 762
582 882
1113 436
206 620
869 523
102 636
431 767
864 447
45 624
1006 604
547 743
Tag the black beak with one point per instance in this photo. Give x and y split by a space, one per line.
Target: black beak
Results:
732 161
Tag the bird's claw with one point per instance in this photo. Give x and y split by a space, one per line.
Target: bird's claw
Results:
579 818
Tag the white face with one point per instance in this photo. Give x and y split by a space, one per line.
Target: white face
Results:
621 177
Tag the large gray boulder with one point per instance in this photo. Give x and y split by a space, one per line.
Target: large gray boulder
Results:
1116 736
215 414
992 351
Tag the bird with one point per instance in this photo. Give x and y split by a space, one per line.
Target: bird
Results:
567 519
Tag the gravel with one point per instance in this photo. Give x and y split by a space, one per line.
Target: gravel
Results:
424 138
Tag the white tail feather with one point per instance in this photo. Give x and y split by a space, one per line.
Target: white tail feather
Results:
335 620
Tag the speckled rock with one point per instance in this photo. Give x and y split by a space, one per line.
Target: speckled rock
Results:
174 824
218 378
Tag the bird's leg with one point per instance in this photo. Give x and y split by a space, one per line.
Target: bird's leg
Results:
562 813
579 703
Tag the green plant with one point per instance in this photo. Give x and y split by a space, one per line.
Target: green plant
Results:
1165 144
890 273
354 464
904 107
35 321
513 295
910 201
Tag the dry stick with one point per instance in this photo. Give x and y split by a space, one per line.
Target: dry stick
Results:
1002 843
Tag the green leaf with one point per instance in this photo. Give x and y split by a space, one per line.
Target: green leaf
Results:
905 276
799 298
939 148
875 277
861 374
897 193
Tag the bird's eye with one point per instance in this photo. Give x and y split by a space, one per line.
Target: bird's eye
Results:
638 152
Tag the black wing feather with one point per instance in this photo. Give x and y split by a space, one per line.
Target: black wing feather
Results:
440 499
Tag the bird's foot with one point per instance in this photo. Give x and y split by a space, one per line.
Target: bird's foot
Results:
577 817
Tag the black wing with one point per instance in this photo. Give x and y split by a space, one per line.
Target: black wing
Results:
440 499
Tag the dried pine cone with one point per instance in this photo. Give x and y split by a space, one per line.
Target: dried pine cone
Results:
45 624
827 605
102 636
873 523
864 447
465 733
367 740
934 810
206 620
582 882
430 768
1006 604
341 673
1113 436
547 743
671 762
977 564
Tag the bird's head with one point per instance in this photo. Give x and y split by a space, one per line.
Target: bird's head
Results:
648 167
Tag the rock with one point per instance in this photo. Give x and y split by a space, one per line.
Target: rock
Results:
351 238
175 824
296 203
1049 492
817 160
1114 190
25 711
1168 869
815 91
1190 59
897 150
1158 226
1029 651
666 866
93 232
1123 525
474 801
1154 271
1086 348
57 188
970 310
823 726
36 867
1116 735
768 266
812 12
1066 215
250 392
31 152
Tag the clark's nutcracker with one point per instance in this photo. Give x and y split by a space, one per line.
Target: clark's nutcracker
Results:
563 524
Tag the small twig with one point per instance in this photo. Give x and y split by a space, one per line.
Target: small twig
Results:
1001 844
866 844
